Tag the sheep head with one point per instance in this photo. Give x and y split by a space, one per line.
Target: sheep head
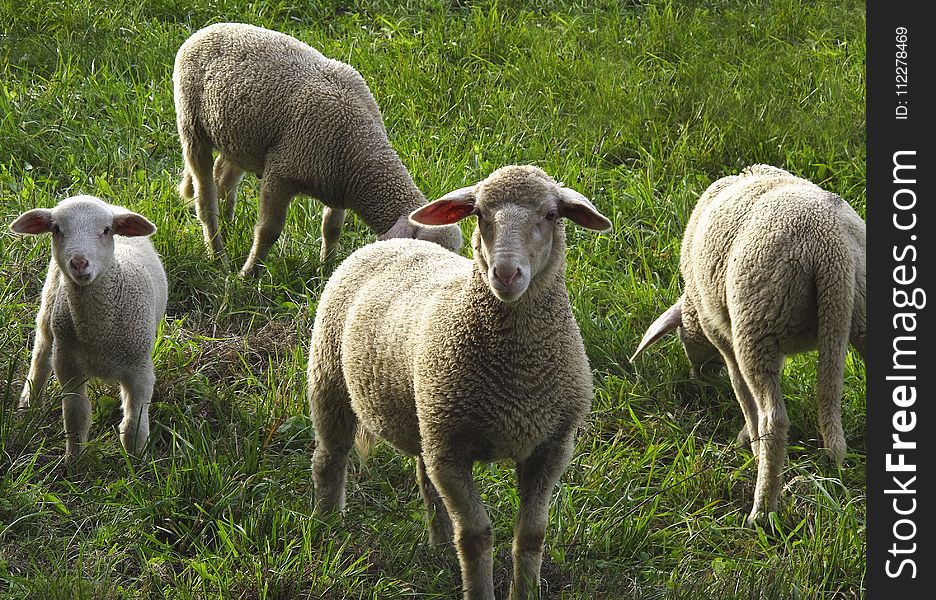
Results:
520 233
83 230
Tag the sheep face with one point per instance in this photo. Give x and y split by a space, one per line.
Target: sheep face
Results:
519 232
83 230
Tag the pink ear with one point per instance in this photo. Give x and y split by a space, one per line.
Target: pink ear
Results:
448 209
576 207
668 321
131 224
37 220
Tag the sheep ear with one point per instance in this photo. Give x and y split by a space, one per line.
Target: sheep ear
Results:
450 208
35 221
131 224
576 207
668 321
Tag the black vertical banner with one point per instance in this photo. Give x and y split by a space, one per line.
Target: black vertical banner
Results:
901 371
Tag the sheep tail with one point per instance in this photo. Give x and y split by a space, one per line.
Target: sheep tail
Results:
364 442
835 293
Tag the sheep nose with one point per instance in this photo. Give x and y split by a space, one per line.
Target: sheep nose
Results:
507 279
79 264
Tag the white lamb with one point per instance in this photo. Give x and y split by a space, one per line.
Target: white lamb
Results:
303 122
773 265
103 297
456 361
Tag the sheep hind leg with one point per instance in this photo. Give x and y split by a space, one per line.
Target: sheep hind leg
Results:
335 427
440 525
136 395
227 178
198 164
275 195
763 379
474 537
332 221
829 384
536 477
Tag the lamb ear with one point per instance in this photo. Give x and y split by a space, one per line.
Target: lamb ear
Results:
576 207
131 224
35 221
450 208
668 321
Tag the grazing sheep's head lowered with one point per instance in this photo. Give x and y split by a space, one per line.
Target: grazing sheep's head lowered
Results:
520 234
83 230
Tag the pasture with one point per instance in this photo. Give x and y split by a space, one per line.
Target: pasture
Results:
639 105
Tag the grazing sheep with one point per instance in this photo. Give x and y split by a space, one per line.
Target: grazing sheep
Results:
455 361
773 265
103 297
304 123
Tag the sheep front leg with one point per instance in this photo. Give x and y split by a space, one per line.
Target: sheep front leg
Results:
136 395
335 426
474 537
40 367
440 525
76 408
275 195
332 221
536 478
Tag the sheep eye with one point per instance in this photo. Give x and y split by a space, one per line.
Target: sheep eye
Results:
106 230
56 230
551 215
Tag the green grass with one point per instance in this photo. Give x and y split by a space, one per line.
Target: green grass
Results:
638 105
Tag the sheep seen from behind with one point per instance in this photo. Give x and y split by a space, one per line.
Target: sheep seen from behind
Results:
455 361
104 294
773 265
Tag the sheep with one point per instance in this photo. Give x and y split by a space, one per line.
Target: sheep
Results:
454 360
304 123
773 265
104 295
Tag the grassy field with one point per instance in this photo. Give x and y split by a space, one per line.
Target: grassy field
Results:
638 105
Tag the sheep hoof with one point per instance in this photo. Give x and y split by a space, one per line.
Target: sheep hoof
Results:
836 451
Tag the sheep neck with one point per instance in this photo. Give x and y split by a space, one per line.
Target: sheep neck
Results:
382 191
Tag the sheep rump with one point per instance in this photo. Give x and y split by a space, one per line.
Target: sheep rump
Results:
773 265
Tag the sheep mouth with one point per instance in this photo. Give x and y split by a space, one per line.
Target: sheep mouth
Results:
82 278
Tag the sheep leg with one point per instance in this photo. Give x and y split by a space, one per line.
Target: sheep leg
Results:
40 367
474 538
748 433
135 395
76 408
198 161
227 178
440 525
274 203
829 384
332 221
335 426
536 476
763 378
